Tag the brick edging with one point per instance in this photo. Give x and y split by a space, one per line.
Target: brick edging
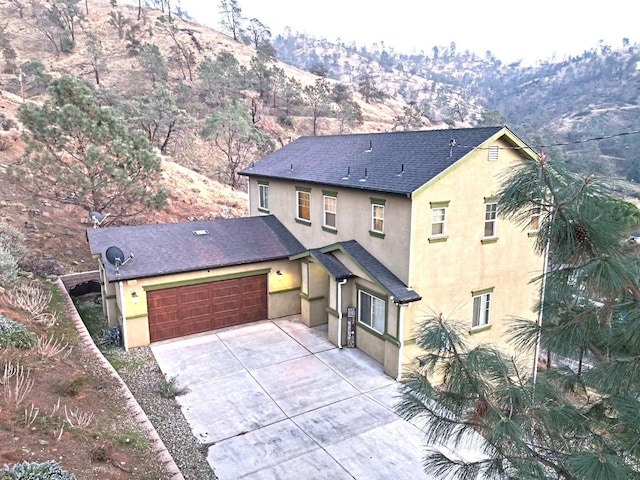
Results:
157 445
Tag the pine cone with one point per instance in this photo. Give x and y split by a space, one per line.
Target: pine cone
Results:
581 233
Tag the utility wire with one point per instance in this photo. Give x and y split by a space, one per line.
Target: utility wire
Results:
560 144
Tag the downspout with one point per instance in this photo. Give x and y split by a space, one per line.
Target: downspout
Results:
543 288
401 340
124 318
340 283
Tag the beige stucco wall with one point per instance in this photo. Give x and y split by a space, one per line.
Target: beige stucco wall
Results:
314 304
445 273
353 220
283 292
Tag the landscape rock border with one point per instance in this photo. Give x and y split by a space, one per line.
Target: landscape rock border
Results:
157 445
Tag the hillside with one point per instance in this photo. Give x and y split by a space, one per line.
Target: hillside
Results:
559 102
565 102
34 47
55 232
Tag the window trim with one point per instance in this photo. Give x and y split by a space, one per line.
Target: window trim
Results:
536 215
325 225
485 304
443 222
299 192
380 204
493 221
384 311
263 186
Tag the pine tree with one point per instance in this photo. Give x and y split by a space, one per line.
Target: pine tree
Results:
579 423
82 153
232 131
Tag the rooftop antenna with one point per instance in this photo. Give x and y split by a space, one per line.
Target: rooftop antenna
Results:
452 143
366 175
115 257
401 170
348 174
291 168
97 218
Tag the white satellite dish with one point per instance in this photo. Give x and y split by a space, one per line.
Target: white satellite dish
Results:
97 218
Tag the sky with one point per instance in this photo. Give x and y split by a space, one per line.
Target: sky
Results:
512 30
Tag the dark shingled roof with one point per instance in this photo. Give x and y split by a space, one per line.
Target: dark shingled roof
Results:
331 264
396 162
401 293
173 248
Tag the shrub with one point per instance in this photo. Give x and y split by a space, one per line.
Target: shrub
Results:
169 388
8 267
35 471
15 334
7 123
12 240
285 120
71 388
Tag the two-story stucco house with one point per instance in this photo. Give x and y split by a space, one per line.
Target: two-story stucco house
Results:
386 228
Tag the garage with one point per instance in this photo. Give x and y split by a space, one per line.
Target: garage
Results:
180 311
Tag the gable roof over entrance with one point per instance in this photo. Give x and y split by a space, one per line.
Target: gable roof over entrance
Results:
394 162
380 274
191 246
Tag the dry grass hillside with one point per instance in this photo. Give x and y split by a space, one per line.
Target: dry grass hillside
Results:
55 232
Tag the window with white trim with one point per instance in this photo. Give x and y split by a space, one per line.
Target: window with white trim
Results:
438 221
330 203
377 218
371 311
263 196
534 223
490 219
304 205
481 310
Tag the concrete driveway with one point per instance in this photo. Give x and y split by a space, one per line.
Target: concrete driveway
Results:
276 400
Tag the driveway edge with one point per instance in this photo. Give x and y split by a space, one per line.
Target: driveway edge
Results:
157 445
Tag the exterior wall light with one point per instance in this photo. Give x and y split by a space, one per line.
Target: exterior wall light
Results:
135 297
279 274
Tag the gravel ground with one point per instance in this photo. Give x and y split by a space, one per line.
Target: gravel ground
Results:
139 370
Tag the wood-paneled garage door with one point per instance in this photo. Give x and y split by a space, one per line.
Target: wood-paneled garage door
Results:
175 312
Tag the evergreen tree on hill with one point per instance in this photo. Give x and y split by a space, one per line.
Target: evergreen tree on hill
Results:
82 153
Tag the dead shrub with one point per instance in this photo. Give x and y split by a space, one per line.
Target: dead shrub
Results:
16 383
30 298
50 347
78 418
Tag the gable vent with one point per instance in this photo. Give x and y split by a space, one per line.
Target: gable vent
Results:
199 233
494 152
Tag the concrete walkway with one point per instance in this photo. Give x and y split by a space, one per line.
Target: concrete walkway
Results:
276 400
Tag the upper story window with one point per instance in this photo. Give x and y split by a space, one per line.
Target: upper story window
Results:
303 211
438 220
263 197
490 219
494 153
377 218
330 203
534 223
481 309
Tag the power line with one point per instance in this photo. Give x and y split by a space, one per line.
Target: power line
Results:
559 144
